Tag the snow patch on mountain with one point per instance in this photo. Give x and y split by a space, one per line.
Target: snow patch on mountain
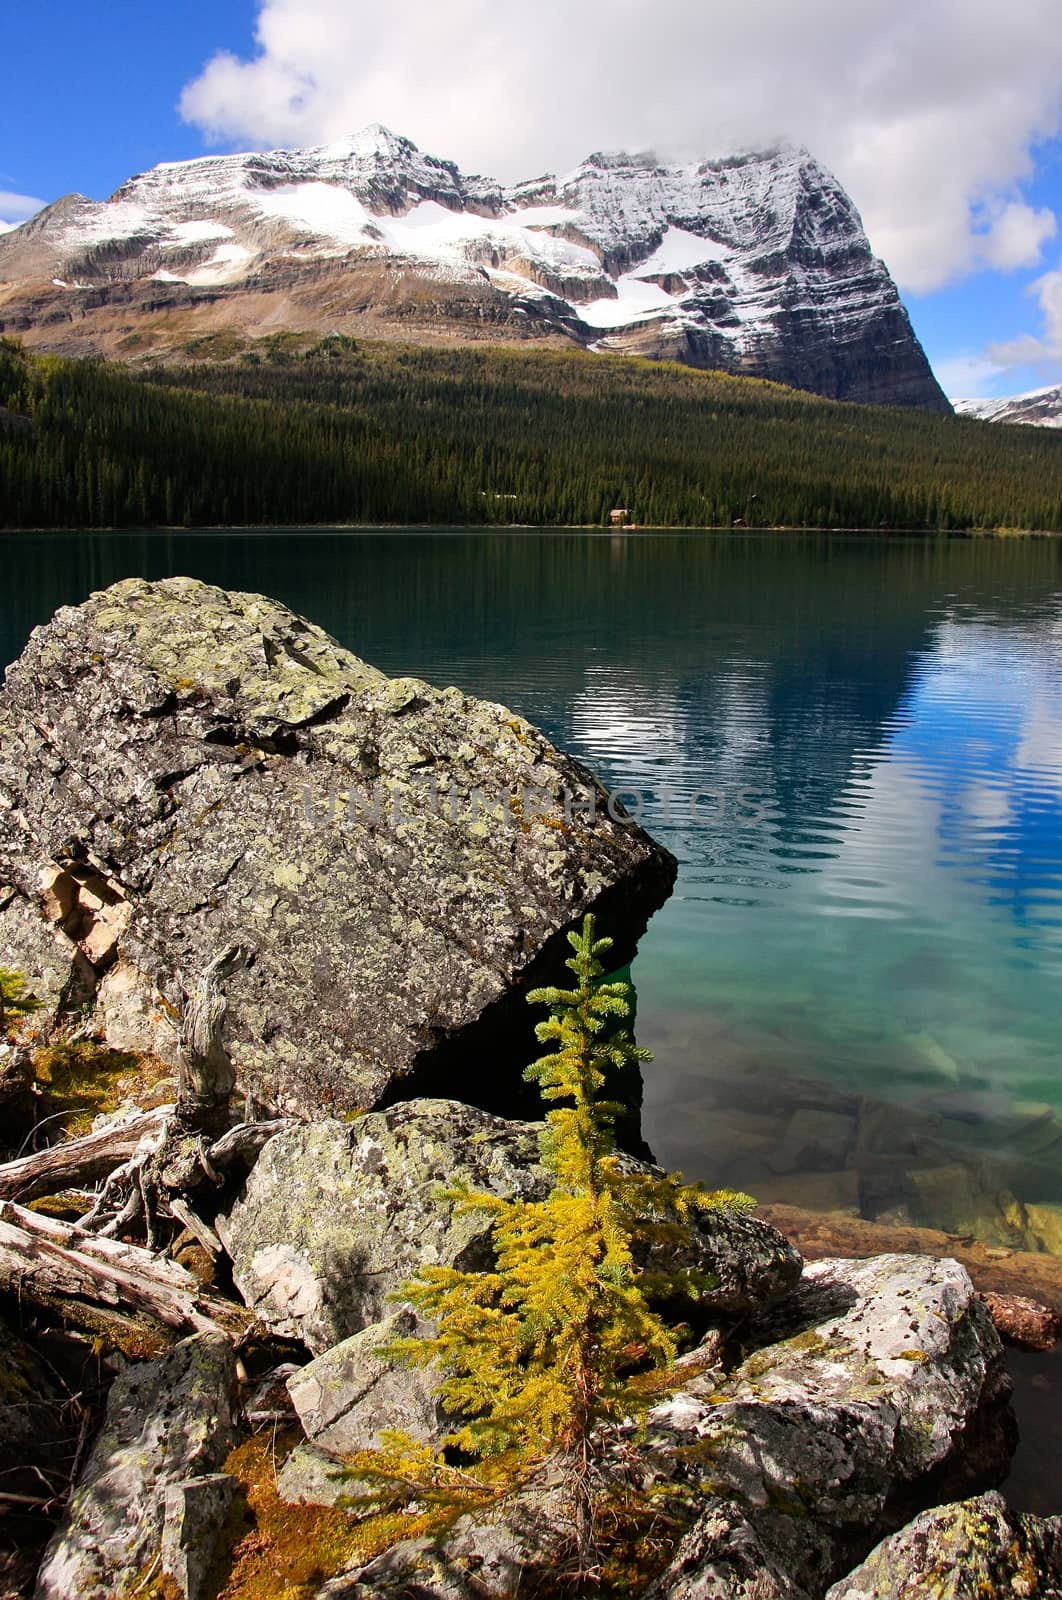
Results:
1038 408
634 302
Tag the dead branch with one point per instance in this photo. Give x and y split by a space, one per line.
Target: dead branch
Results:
79 1162
196 1226
243 1144
61 1266
205 1075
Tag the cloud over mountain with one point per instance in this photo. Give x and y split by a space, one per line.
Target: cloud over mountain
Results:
927 111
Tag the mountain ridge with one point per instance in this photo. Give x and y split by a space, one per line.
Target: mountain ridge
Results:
756 263
1038 408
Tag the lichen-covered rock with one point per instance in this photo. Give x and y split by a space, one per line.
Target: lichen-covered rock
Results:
194 1515
336 1216
877 1385
481 1557
721 1558
183 769
167 1420
313 1477
976 1550
350 1394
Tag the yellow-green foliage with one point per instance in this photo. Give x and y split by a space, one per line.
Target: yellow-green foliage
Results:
551 1342
15 999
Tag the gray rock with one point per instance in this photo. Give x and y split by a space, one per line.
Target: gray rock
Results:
878 1385
194 1515
312 1477
721 1558
176 770
348 1395
167 1420
969 1551
487 1557
336 1216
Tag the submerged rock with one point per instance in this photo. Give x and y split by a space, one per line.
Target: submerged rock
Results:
975 1550
1024 1322
183 769
336 1216
167 1421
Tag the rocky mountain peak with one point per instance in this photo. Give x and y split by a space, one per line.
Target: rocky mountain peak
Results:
755 263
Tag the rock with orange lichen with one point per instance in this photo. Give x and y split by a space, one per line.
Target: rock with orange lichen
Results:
973 1550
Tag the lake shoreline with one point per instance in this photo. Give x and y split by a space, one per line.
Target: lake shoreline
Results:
591 528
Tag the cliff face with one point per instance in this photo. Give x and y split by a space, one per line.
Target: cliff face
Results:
757 265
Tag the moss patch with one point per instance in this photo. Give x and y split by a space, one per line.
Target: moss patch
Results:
85 1079
286 1552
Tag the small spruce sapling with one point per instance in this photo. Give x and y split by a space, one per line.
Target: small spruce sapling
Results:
547 1347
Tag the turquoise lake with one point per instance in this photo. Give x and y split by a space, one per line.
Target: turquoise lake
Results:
854 747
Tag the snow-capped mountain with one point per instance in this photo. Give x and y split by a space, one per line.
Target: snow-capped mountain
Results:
1040 408
757 264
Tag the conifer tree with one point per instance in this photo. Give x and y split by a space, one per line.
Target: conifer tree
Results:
542 1350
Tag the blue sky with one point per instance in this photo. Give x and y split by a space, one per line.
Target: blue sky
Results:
942 117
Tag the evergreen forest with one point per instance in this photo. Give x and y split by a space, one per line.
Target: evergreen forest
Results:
294 432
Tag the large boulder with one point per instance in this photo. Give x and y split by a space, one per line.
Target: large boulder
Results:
336 1216
877 1386
973 1550
167 1421
183 770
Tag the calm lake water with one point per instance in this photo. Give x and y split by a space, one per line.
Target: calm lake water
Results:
853 745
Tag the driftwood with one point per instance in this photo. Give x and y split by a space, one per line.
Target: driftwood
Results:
80 1162
177 1159
59 1265
159 1165
85 1161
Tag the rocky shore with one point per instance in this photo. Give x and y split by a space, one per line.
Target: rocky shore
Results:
311 1030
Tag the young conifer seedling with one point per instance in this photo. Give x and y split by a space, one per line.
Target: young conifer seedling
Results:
541 1351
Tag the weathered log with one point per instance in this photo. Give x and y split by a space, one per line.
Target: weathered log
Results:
205 1074
79 1162
61 1266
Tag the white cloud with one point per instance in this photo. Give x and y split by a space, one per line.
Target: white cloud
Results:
1015 235
927 110
968 377
1030 350
16 208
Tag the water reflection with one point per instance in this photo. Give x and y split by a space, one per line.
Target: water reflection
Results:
854 746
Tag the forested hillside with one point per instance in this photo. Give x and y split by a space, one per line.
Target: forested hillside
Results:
340 432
